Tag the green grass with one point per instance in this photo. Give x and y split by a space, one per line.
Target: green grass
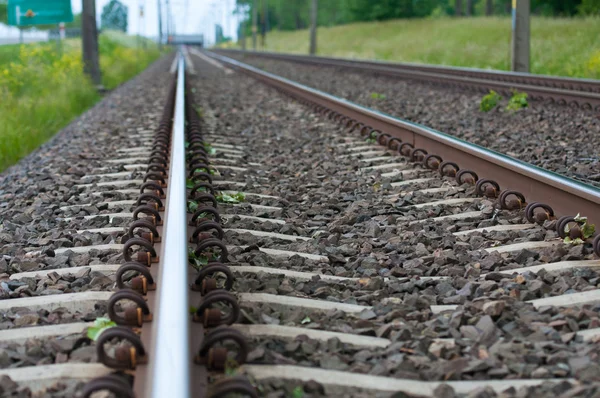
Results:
8 53
43 89
567 47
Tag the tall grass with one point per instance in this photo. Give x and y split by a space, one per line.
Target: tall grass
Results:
559 46
42 90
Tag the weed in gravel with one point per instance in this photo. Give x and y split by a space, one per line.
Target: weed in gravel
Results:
517 101
209 149
298 392
192 206
587 231
489 101
100 325
197 261
378 96
231 367
233 198
372 138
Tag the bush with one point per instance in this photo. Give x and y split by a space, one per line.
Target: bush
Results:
517 101
42 90
489 101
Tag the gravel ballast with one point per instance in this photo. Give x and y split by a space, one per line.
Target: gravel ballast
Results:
350 219
554 137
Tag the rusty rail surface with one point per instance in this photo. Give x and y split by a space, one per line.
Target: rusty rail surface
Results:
584 93
521 182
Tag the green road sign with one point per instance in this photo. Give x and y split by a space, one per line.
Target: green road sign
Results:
39 12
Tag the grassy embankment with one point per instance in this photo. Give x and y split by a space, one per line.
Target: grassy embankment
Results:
42 90
567 47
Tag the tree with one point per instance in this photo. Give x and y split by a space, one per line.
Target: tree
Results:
589 7
114 16
3 11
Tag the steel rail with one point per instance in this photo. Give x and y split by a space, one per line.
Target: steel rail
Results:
565 195
580 92
172 361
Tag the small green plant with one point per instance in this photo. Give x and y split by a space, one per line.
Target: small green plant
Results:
189 183
100 325
587 230
209 149
210 171
192 206
372 138
489 101
233 198
200 111
517 101
197 261
306 320
378 96
231 367
298 392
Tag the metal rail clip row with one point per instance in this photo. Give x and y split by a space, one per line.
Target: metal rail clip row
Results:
534 212
134 277
214 279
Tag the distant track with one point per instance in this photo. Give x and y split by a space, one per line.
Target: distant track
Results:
584 93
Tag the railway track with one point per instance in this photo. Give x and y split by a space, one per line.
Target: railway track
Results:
302 248
584 93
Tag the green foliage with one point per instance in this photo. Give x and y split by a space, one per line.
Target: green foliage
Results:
378 96
233 198
196 261
566 47
298 392
192 206
589 7
42 90
517 101
100 325
587 230
285 15
489 101
114 16
3 13
593 66
209 149
231 367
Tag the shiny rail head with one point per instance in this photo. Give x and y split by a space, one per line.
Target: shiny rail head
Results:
172 358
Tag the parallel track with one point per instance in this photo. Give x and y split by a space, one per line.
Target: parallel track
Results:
584 93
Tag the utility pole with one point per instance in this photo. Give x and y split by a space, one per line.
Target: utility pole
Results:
263 24
489 7
469 10
89 33
160 34
520 36
242 34
458 8
254 23
313 27
168 21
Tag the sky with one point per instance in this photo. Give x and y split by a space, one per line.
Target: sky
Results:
189 16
